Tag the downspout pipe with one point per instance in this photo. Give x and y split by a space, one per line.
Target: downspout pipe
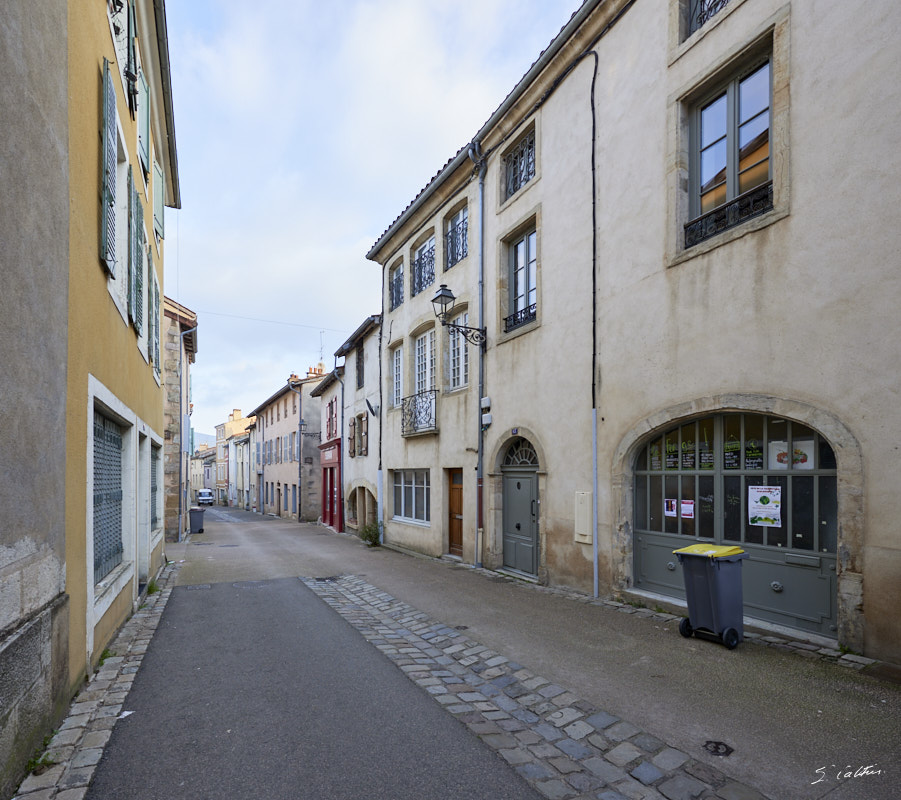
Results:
475 155
341 459
181 433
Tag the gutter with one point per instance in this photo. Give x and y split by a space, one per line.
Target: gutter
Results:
162 39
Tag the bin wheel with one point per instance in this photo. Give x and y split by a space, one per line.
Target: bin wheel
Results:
685 628
200 530
730 638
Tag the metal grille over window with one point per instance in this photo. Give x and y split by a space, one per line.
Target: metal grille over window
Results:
419 413
107 496
520 164
423 267
699 12
154 487
457 247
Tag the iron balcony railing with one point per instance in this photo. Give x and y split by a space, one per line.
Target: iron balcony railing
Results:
419 413
521 317
423 270
457 247
699 12
746 206
396 288
520 165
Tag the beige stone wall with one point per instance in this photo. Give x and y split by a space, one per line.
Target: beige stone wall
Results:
793 313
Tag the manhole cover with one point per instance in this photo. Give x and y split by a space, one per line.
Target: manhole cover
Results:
718 748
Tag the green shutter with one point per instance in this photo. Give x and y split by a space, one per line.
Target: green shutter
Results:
133 202
144 122
109 149
159 196
156 326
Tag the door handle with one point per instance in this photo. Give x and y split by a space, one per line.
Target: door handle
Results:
533 508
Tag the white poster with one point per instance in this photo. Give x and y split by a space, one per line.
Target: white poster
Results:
688 509
669 508
801 455
765 506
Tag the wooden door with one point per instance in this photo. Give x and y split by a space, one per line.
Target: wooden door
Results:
455 513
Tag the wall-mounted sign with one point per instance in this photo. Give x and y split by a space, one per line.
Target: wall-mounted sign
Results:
765 506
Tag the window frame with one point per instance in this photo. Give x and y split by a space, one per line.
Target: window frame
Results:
519 317
522 153
422 266
397 372
458 354
396 285
730 91
456 237
411 480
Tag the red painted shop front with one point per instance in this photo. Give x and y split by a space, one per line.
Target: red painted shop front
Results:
332 501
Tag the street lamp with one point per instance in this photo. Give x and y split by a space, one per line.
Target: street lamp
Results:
443 303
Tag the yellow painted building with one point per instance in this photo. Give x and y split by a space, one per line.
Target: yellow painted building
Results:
123 170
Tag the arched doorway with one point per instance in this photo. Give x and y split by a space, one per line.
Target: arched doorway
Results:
766 483
519 471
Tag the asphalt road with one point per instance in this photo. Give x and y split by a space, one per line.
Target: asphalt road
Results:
257 689
794 724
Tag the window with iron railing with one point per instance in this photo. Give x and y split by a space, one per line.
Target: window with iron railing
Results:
423 267
420 413
519 164
523 281
456 245
699 12
396 286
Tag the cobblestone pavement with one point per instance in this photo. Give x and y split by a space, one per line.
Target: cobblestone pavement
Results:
562 745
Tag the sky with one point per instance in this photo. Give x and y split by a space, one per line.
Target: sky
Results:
303 130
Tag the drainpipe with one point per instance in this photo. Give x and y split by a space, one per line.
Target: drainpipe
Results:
181 435
299 393
475 155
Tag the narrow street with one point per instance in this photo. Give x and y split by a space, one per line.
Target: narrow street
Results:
254 686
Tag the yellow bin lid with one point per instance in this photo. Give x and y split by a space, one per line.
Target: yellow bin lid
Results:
711 550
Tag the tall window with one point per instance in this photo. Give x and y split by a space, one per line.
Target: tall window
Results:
730 169
423 267
397 364
519 164
456 245
523 281
412 495
425 362
108 546
396 285
359 364
459 355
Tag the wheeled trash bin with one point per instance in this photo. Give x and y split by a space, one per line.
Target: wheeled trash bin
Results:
196 520
712 576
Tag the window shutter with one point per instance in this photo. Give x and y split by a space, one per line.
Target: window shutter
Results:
364 435
159 193
352 438
156 326
132 242
108 179
131 65
144 121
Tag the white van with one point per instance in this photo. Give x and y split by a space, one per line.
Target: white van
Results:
204 497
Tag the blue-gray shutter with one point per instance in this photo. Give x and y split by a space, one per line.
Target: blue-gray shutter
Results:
156 327
159 196
144 122
109 149
132 242
137 289
131 64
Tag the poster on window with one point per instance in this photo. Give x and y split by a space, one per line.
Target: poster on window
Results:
669 508
801 455
765 506
687 509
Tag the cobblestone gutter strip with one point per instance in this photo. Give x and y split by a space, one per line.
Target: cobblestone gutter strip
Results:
78 744
564 747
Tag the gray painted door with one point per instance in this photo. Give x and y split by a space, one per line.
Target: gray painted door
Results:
521 521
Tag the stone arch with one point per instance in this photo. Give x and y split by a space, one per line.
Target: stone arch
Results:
849 461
